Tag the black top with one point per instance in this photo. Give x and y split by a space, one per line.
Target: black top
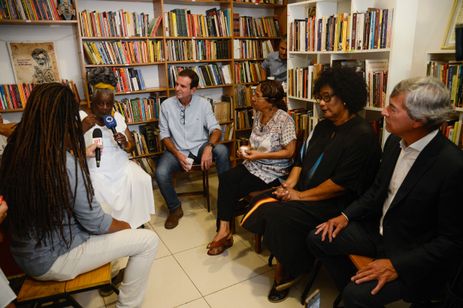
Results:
351 154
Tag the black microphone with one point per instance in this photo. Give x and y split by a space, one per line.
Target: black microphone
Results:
98 139
111 123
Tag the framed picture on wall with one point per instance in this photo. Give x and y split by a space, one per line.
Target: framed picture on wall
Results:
455 17
34 62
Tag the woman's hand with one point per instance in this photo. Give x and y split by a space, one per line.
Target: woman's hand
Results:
90 151
252 155
121 139
286 193
88 122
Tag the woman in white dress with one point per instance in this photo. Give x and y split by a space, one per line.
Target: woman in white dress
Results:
122 186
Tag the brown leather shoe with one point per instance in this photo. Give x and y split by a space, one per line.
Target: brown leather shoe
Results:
173 218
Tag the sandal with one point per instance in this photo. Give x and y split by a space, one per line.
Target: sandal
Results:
217 247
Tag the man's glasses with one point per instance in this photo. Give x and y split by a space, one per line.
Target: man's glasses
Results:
182 116
324 97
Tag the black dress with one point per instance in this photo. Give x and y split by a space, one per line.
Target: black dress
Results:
351 154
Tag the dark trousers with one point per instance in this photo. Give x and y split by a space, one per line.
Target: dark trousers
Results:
354 239
234 184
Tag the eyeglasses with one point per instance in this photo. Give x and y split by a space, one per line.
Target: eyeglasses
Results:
259 97
182 116
325 97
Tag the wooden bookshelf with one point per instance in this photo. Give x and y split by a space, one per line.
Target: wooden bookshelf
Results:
360 36
442 65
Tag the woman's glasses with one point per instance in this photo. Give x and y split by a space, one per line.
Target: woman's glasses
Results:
324 97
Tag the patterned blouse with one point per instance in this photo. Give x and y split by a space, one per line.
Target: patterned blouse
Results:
271 137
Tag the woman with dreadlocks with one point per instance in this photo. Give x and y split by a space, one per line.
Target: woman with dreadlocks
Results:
58 229
120 185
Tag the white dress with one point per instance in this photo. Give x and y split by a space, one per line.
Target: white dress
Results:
120 184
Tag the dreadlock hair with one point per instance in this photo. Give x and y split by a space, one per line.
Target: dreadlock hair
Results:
33 173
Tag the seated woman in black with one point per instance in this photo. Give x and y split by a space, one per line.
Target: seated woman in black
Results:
338 163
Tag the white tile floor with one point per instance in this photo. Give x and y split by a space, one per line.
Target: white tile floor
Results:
183 275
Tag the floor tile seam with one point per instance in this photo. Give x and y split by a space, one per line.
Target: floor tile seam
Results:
236 283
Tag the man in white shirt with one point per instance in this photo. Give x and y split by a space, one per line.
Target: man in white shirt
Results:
188 130
408 222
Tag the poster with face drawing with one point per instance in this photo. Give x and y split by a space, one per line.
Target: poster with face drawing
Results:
34 62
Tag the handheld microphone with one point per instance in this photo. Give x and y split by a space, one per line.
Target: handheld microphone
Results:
98 139
111 123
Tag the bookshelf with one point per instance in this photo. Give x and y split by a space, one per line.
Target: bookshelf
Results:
158 37
26 22
442 65
356 33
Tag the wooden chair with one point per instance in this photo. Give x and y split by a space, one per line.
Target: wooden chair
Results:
59 292
36 292
358 261
205 188
240 210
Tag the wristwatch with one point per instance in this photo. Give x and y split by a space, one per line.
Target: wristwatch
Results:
211 144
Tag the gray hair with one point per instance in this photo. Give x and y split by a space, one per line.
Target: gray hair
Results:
101 75
427 100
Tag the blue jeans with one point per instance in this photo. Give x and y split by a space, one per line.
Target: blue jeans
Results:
168 165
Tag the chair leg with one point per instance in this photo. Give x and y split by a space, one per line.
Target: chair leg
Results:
233 225
257 243
312 275
206 189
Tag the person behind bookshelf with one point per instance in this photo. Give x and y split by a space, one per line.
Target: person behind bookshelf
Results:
120 184
337 163
276 62
189 132
58 229
267 159
409 220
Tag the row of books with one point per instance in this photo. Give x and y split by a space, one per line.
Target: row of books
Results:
197 50
248 72
180 22
139 109
247 26
451 74
147 164
14 96
227 132
304 121
302 79
123 52
453 131
251 49
212 74
128 79
117 24
342 32
147 140
375 73
243 118
29 10
243 96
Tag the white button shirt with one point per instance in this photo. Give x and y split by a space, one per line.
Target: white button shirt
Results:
407 158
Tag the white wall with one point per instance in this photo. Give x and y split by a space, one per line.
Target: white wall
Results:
431 25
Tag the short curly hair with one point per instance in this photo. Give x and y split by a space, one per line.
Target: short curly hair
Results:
347 84
103 75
